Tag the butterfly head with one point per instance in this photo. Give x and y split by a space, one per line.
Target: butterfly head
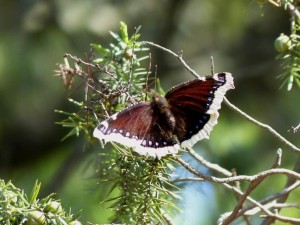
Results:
159 101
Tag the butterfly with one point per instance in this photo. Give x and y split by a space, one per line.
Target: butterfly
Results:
184 116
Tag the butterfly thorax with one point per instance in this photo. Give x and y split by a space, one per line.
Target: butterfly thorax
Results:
160 106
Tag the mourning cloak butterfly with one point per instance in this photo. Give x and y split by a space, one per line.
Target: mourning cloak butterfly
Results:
184 116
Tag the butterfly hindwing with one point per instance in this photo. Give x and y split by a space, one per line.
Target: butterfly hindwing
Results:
139 127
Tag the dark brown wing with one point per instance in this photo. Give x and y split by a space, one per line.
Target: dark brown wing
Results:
141 128
195 106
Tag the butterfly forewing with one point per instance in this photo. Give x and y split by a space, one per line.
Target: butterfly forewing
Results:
194 105
197 94
127 125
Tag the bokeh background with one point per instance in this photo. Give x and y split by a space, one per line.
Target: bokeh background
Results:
35 35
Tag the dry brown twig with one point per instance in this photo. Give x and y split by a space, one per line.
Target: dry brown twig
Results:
88 79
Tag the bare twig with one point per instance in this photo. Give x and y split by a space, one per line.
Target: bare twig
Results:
209 165
247 178
225 172
295 129
293 9
261 207
250 188
147 77
212 67
277 4
254 180
277 161
178 56
282 218
284 197
254 208
286 205
270 198
262 125
242 199
132 59
104 70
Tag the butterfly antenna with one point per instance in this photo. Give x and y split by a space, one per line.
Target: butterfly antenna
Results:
212 67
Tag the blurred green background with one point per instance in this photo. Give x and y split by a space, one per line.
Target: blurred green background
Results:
35 35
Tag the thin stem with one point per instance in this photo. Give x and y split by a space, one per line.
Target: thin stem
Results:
295 129
248 178
293 9
283 198
268 213
209 165
262 125
178 56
